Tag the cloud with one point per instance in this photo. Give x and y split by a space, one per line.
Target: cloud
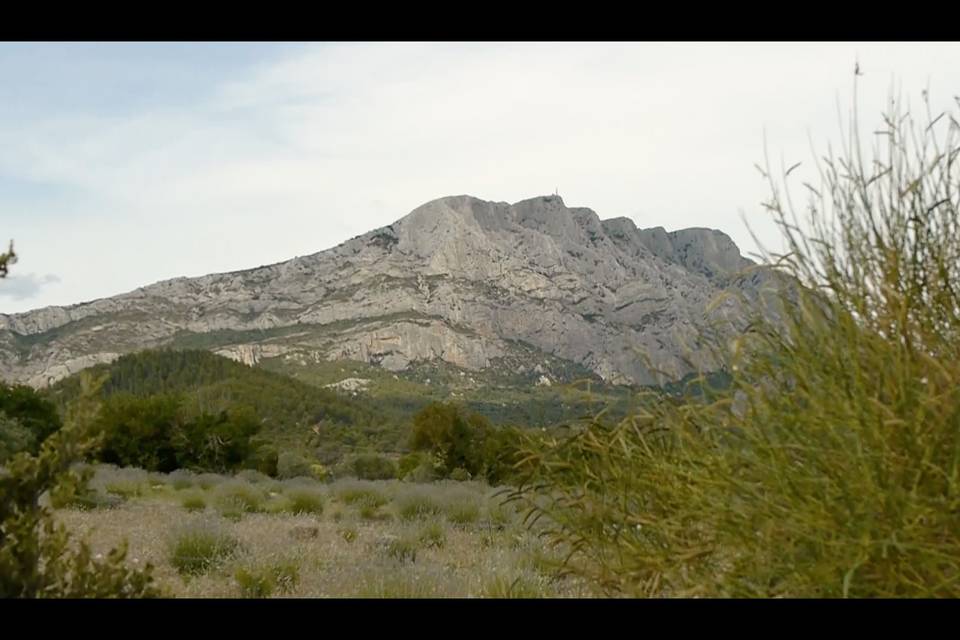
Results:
294 153
24 286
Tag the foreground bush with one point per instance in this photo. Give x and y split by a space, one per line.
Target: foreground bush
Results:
830 466
38 559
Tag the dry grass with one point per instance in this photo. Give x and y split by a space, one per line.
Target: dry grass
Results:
281 554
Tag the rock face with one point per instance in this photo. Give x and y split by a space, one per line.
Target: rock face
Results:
458 280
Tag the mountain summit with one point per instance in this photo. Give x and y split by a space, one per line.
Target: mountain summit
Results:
475 284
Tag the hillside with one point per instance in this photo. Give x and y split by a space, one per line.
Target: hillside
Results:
535 288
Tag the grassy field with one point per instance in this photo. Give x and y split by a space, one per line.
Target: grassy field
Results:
252 536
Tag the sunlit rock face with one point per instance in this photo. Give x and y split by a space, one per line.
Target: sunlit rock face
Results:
458 280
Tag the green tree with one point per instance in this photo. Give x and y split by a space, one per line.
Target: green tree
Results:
37 556
6 259
31 411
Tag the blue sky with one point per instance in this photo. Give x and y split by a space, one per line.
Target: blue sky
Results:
125 164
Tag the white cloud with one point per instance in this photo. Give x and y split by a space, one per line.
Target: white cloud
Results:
25 286
298 155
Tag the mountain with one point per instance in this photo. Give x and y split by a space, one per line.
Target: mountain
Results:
535 287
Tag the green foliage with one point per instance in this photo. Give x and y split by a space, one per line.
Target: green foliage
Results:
361 495
240 495
194 502
6 259
14 438
304 501
829 465
261 581
158 434
463 511
402 549
417 505
38 559
374 467
432 536
28 411
293 465
212 384
198 548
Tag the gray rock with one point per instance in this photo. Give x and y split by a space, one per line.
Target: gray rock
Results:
459 280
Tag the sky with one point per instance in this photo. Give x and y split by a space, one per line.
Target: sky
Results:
123 164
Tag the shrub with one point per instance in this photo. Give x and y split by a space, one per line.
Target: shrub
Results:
37 557
464 511
828 467
241 495
402 549
373 467
293 465
261 581
432 536
417 506
304 501
460 474
194 502
409 462
181 479
198 548
519 587
361 495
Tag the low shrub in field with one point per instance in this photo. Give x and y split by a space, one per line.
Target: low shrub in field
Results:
460 474
303 501
206 480
402 549
374 467
241 495
124 489
252 476
519 587
432 536
293 465
194 502
462 512
361 495
195 549
415 506
349 534
181 479
261 581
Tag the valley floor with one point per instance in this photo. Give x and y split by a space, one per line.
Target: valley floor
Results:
303 538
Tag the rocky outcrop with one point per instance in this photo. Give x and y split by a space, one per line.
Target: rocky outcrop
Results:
458 279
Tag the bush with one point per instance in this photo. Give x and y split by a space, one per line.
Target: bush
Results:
239 495
360 495
465 511
828 467
304 501
194 502
417 506
432 536
402 550
293 465
373 467
460 474
37 557
198 548
262 580
181 479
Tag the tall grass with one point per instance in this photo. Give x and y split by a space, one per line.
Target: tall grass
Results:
830 467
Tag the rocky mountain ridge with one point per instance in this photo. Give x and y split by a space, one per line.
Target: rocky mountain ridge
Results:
475 284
